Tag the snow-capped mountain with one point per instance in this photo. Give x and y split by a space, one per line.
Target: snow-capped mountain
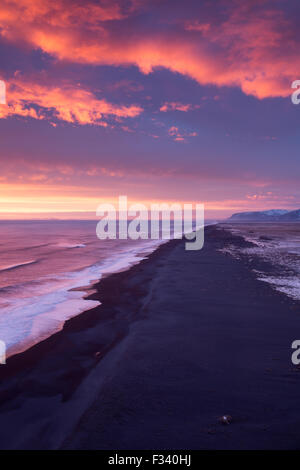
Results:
272 215
275 212
291 216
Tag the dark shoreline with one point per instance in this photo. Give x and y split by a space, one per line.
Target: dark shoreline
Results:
92 359
107 291
103 326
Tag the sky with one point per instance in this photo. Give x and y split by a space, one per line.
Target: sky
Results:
158 100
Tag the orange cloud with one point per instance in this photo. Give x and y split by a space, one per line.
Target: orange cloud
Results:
57 13
175 106
251 48
180 136
197 26
67 103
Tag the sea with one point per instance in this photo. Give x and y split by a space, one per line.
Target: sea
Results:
48 268
278 244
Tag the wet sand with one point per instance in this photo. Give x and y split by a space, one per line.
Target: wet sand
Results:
179 340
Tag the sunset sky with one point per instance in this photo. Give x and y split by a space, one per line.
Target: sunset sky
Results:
159 100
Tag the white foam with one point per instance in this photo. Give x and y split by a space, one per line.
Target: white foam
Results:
289 286
281 250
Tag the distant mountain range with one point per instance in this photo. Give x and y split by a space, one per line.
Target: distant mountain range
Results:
273 215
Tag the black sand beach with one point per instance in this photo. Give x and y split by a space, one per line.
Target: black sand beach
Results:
179 340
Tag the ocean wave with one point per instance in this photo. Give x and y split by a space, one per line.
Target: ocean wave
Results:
70 246
16 266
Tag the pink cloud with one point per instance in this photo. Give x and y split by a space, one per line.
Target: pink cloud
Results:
176 106
180 136
65 102
197 26
251 47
